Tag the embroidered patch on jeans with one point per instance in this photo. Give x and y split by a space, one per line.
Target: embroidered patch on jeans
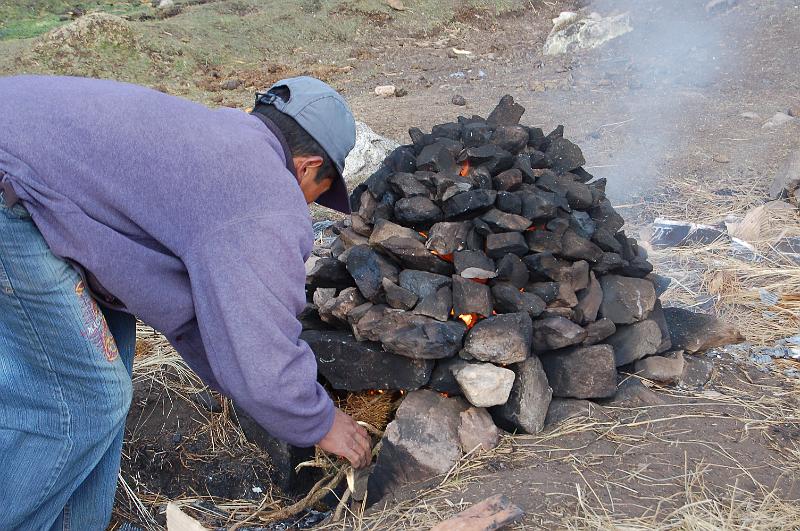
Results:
96 331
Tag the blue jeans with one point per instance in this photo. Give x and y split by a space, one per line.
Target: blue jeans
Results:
65 387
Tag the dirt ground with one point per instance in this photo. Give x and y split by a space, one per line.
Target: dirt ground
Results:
657 111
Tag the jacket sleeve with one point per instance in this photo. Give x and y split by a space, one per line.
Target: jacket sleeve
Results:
248 286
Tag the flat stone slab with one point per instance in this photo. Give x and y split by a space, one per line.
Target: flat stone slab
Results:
352 365
697 332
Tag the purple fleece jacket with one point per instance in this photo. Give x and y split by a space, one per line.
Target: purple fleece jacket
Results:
190 217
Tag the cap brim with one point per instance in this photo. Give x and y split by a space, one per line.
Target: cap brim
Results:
336 197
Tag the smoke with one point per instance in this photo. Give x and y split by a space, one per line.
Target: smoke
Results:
665 70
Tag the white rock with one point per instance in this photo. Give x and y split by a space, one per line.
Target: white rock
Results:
164 4
571 32
385 90
366 156
778 119
485 384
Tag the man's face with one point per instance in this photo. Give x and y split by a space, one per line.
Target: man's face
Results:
307 169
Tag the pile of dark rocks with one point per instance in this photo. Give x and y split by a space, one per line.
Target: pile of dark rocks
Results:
483 262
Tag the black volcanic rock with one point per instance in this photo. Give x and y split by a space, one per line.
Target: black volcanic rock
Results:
368 268
498 245
563 156
352 365
506 113
468 204
417 211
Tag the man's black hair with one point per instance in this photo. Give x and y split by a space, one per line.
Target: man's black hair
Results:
300 142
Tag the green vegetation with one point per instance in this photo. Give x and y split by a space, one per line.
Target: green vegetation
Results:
191 48
23 19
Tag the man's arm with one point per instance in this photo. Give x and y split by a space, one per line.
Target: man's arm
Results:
248 285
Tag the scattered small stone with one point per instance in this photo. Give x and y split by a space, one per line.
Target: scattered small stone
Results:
794 111
715 7
751 115
459 100
385 90
721 158
778 119
400 92
231 84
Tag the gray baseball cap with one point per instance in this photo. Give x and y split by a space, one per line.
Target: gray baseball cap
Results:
324 114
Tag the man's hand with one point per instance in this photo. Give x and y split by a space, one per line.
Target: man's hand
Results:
349 440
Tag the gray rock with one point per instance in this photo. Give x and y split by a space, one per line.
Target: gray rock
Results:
504 338
697 371
666 369
420 443
336 309
421 337
477 429
484 384
368 269
562 409
563 156
326 273
633 393
407 246
398 297
554 333
589 300
787 180
697 332
778 119
447 237
658 316
422 283
633 342
509 299
436 305
626 300
503 221
598 331
529 400
352 365
442 378
581 372
471 297
368 153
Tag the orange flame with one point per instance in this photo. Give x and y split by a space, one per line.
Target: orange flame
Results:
444 395
469 319
446 257
536 227
464 168
423 234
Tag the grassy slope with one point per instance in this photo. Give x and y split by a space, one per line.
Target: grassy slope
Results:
257 41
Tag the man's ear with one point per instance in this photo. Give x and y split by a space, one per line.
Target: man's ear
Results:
303 162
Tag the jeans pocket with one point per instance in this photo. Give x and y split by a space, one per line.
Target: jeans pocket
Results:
15 212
